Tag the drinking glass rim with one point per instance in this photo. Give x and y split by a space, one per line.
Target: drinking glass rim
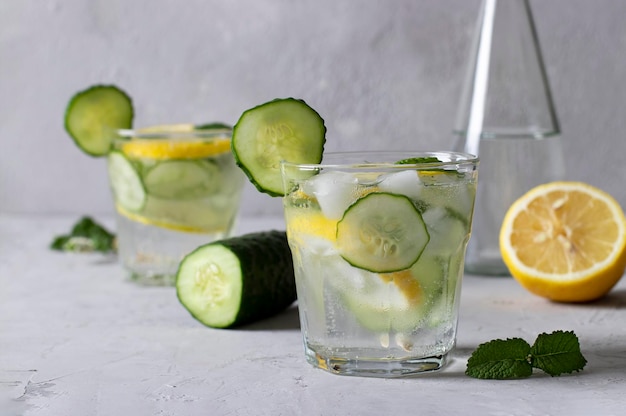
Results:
171 134
452 159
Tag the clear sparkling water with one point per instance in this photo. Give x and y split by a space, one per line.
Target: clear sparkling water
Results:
356 322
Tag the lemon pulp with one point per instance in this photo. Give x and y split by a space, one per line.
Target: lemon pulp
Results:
565 241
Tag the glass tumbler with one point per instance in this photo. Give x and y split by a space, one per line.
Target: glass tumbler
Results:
174 188
378 242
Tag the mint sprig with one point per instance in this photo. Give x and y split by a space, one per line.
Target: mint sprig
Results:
556 353
86 236
418 160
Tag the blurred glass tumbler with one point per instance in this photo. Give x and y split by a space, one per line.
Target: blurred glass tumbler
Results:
378 251
175 188
506 115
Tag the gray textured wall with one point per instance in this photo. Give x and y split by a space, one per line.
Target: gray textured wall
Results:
383 73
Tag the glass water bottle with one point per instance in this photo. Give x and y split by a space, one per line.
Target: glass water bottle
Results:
507 117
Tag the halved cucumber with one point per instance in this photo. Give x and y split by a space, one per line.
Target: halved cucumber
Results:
128 189
182 179
93 115
282 129
238 280
382 233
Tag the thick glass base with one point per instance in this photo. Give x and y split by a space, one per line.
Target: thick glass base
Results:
153 279
376 367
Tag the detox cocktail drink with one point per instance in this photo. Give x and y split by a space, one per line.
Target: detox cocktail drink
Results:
174 188
378 242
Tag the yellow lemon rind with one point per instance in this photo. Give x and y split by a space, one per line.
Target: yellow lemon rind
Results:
184 149
581 286
164 224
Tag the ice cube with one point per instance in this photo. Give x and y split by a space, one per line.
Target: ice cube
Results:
334 191
406 182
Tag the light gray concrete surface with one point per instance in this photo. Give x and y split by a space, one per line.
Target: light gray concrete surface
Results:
78 339
384 74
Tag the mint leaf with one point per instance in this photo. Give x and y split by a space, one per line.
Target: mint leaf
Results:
213 126
86 236
418 160
500 359
557 353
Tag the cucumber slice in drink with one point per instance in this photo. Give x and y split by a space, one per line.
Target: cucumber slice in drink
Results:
182 179
128 189
239 280
382 233
93 115
283 129
385 302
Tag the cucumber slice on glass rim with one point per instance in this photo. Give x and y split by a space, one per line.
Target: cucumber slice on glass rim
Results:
128 189
93 115
282 129
382 233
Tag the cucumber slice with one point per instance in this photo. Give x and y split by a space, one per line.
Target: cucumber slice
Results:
188 215
128 189
385 302
93 115
239 280
282 129
182 179
382 233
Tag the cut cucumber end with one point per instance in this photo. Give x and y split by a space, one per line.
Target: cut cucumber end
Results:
382 233
208 289
238 280
283 129
93 115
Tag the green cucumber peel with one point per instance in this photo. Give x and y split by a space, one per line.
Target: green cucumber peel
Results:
93 115
284 129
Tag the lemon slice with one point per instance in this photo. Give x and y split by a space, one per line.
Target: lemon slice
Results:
314 224
182 225
179 149
565 241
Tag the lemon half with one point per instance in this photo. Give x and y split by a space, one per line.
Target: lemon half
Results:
565 241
